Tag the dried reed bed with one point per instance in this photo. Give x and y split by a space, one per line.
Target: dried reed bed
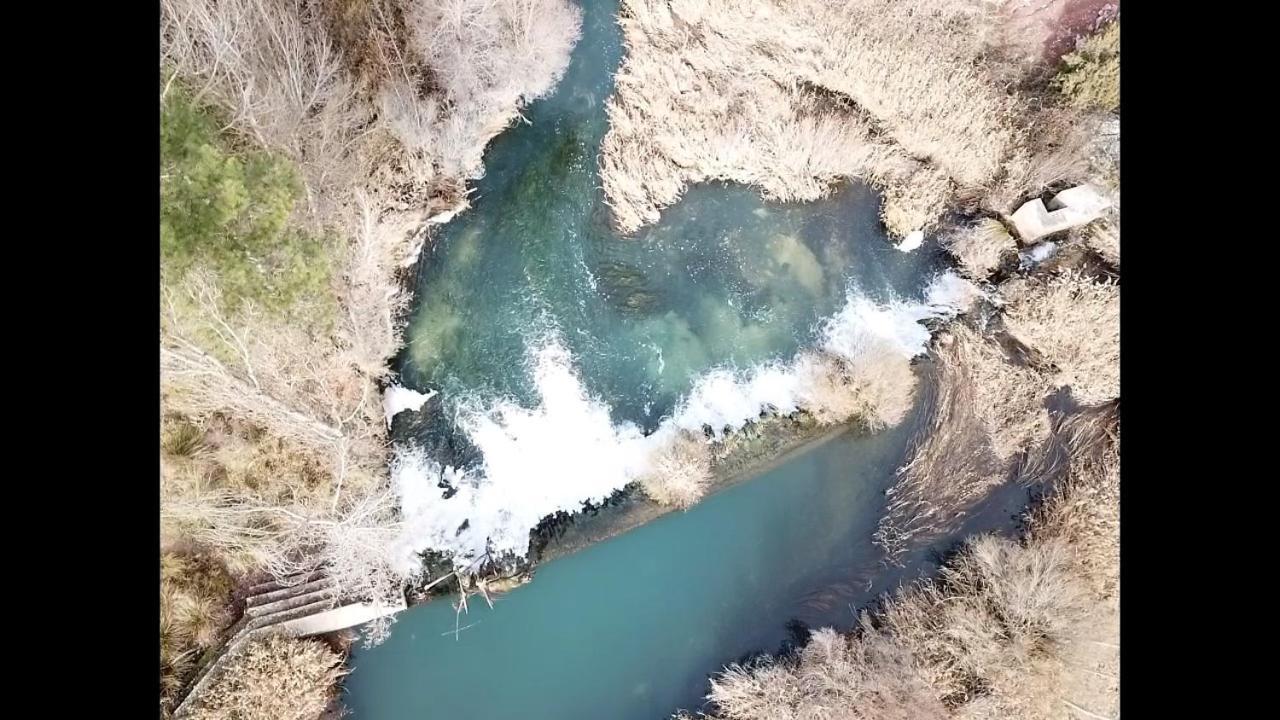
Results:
1075 323
985 410
877 390
793 97
277 678
1008 629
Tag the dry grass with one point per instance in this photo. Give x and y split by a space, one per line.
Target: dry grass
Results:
878 390
986 410
195 609
982 247
277 678
794 97
681 472
1075 323
1009 629
1103 237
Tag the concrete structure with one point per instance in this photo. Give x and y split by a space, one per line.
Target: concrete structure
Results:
300 607
1070 208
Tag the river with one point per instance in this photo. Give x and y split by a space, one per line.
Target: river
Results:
556 347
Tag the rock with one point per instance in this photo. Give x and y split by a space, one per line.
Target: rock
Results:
1071 208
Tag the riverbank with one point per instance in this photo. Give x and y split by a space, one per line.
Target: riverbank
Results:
307 148
1024 627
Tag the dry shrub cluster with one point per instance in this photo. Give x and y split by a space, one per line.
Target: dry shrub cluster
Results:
792 97
1075 323
680 472
1009 629
878 390
278 678
195 610
981 247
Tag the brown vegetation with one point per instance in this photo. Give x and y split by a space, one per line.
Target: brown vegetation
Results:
277 678
792 97
195 610
1075 324
1010 629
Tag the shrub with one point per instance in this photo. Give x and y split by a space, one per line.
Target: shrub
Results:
1090 76
1075 323
229 207
981 247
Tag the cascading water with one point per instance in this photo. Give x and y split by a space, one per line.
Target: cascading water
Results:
565 354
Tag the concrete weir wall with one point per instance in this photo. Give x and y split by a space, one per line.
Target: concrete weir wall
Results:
298 607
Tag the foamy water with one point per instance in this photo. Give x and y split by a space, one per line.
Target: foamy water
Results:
567 450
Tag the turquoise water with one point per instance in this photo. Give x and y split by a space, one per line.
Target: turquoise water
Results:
630 628
725 279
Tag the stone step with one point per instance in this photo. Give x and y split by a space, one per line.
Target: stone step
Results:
288 602
316 606
282 593
278 583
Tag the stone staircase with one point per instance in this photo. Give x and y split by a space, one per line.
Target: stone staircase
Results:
296 607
